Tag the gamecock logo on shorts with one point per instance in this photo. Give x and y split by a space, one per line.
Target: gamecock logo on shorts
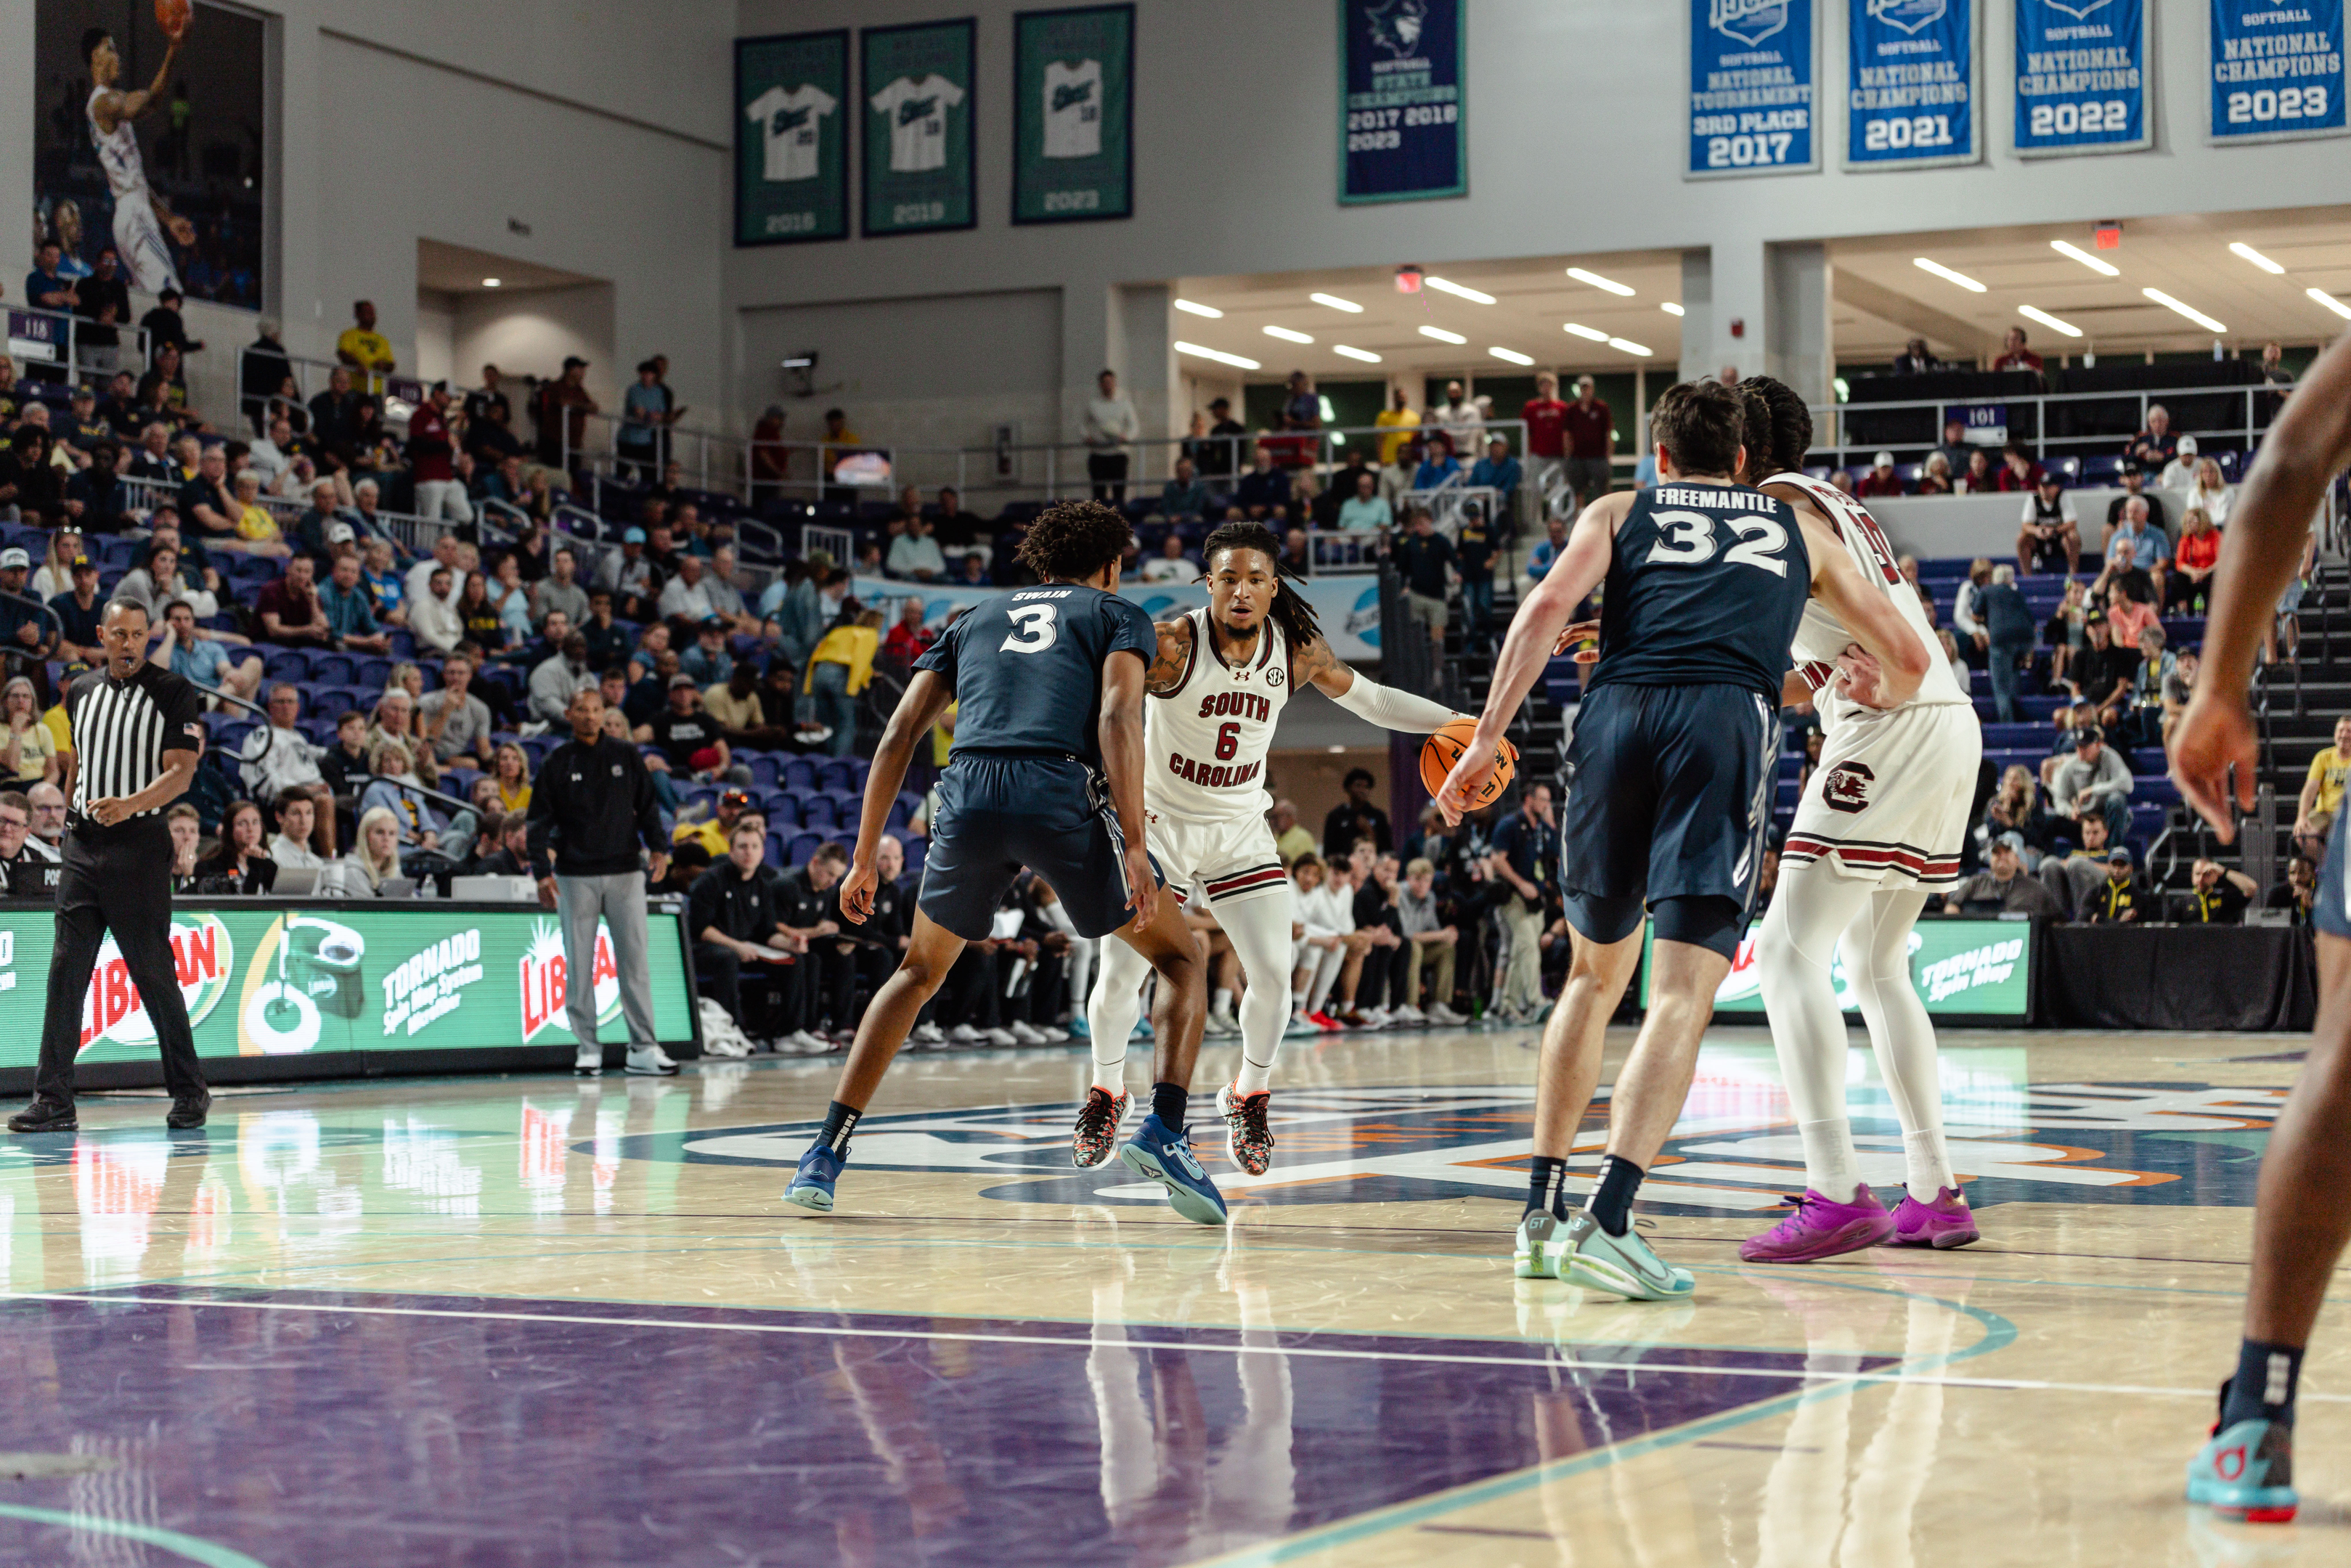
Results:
1846 787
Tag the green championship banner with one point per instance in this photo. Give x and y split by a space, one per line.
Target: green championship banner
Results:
916 82
1975 969
1073 115
340 977
791 138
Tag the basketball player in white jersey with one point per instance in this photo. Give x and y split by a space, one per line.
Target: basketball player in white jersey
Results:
1223 675
140 216
1880 827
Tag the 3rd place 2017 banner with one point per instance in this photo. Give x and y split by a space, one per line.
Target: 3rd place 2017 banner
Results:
1911 92
1752 67
2277 70
2081 77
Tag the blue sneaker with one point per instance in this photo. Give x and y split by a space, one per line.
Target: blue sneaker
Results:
1166 1158
812 1186
2247 1471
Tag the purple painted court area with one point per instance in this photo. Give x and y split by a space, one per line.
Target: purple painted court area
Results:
307 1428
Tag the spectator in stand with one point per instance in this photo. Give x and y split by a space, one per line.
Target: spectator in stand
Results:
1289 839
2211 493
28 752
198 655
1296 558
2017 808
2137 553
47 288
1916 359
2154 448
709 660
80 608
689 738
1980 477
257 531
288 608
1355 818
2014 355
2126 618
2019 472
1590 426
1473 553
915 555
1426 559
1111 429
395 721
1437 467
240 867
1171 564
452 719
2134 482
2116 900
2179 474
1364 510
439 492
1546 551
1462 421
1264 489
560 590
290 848
2157 668
2322 789
164 389
1546 421
636 584
2218 896
1183 498
1400 416
2075 879
1524 858
432 619
1218 457
104 304
2102 673
1396 477
1498 470
2050 531
2006 629
208 502
2003 888
645 409
1881 480
1935 477
281 763
97 497
2298 893
153 461
366 350
2095 781
560 411
1956 449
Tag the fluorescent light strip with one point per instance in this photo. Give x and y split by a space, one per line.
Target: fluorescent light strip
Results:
1363 354
1594 333
1597 281
1287 336
2049 322
1946 274
2330 302
1629 347
1442 336
1222 358
2168 303
1512 355
1210 311
1670 309
2086 259
1335 303
2239 247
1459 291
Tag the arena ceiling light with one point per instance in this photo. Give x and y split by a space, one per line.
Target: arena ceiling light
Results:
2193 314
1363 354
2330 302
1946 274
1222 358
1670 309
2046 320
1627 345
1512 355
1593 278
1335 303
2239 247
1458 290
1287 336
1442 336
1594 333
492 282
2103 269
1210 311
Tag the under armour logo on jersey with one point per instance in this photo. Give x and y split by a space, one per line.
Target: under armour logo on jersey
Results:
1846 787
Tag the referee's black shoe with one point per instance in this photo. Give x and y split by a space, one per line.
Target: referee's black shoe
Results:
188 1111
46 1116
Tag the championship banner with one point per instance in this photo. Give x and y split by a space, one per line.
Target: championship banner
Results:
916 82
1073 114
341 976
1910 96
1347 607
1970 969
2081 77
1752 68
1402 122
2277 70
791 138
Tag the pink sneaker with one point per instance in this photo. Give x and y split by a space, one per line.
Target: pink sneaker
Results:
1946 1222
1821 1228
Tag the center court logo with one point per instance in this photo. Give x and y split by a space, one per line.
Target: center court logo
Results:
1748 21
1907 16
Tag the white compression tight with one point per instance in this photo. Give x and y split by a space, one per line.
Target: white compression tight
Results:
1259 931
1815 911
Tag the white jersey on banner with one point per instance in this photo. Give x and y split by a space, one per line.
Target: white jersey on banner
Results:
139 240
918 121
1205 740
1073 109
790 123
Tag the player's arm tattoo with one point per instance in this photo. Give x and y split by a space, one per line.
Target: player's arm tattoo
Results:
1313 663
1166 671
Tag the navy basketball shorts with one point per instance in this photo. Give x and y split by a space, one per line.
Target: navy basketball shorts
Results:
998 813
2332 912
1670 797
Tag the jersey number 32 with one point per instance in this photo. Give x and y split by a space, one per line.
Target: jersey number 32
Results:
1687 538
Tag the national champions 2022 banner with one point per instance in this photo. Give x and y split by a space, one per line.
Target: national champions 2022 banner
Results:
1911 88
2081 77
1404 131
2277 70
1752 67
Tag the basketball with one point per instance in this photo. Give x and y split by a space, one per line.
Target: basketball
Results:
171 15
1441 752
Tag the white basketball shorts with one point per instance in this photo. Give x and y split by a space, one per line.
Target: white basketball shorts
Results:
1889 801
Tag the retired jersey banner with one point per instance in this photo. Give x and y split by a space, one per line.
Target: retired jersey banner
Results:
917 83
2277 70
1403 133
2081 77
791 138
1073 114
1910 96
1751 70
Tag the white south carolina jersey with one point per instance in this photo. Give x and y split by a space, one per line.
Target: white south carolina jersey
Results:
1073 109
1821 636
1205 740
118 153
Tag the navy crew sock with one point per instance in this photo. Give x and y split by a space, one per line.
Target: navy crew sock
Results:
2263 1387
1169 1103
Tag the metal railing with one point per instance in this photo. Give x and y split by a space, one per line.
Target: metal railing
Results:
1829 421
41 336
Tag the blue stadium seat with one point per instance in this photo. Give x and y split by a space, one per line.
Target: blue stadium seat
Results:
800 774
2105 469
286 664
802 846
372 674
333 669
777 847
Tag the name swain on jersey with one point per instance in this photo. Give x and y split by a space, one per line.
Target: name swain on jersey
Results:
1233 706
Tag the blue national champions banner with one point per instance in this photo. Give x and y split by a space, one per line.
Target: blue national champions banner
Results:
2277 70
1910 96
1404 131
1752 67
2081 77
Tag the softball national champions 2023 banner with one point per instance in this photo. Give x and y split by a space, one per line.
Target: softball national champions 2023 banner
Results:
2277 70
791 138
2081 77
1753 66
1404 131
1911 92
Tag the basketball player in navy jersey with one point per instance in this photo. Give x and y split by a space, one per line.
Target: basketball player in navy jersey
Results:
2303 1213
1049 682
1670 796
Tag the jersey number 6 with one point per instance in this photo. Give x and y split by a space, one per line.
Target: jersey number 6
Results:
1687 538
1036 633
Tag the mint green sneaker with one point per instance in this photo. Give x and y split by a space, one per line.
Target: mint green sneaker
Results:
1621 1265
1535 1252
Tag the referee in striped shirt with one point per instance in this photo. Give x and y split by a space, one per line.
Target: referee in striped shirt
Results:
140 732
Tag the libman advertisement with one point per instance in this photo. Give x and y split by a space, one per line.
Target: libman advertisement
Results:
342 977
1972 967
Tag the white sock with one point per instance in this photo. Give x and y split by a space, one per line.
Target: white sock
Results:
1929 1163
1831 1166
1221 1002
1113 1006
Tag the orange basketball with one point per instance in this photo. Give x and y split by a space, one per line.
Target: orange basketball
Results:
171 15
1441 752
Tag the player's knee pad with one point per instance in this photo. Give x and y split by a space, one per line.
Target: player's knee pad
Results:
1710 921
1598 917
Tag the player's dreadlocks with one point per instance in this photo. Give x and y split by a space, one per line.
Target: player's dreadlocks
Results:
1290 611
1778 445
1072 541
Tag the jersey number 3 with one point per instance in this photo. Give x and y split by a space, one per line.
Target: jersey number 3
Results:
1687 538
1036 631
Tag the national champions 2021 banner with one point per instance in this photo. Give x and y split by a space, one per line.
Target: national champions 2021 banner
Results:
1404 131
2081 77
1752 67
2277 70
1912 89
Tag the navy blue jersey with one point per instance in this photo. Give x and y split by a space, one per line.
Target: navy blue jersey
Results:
1705 587
1027 668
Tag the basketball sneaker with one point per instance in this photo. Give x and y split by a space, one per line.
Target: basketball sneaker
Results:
1098 1124
1299 1029
1159 1154
2247 1472
1534 1251
1247 1140
1946 1222
812 1184
1822 1227
1623 1265
588 1061
649 1061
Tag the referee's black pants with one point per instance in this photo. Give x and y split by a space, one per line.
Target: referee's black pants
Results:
123 887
